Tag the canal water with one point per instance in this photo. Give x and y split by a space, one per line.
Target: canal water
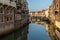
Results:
30 32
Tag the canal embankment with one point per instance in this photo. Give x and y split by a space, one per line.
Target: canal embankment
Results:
19 24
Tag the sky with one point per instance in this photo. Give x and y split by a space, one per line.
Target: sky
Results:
37 5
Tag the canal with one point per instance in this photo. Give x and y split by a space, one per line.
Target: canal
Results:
30 32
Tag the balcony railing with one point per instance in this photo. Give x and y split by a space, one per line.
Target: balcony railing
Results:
7 2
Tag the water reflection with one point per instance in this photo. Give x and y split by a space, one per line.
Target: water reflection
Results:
30 32
50 28
37 32
20 34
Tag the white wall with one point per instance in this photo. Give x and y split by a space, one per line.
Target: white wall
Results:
47 13
57 24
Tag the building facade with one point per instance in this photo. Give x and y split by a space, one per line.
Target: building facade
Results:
47 13
22 12
51 13
57 13
54 16
57 17
7 10
12 14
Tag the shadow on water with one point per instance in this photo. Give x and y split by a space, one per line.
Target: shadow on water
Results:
20 34
30 32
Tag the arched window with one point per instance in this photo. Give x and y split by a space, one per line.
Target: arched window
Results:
56 12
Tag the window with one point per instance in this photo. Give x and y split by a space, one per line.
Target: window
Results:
7 11
10 11
1 19
1 10
19 7
57 5
10 18
7 18
56 12
19 0
23 11
14 0
11 0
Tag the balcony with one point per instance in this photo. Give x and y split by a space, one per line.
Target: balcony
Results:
7 2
